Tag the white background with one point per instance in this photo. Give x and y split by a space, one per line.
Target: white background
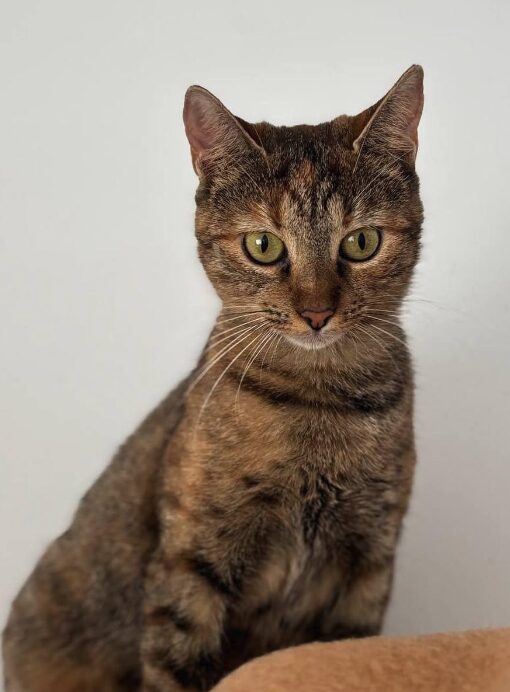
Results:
104 305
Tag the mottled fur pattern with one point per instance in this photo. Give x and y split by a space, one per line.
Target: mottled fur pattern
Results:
260 505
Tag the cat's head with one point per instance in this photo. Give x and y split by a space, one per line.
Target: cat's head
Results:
317 226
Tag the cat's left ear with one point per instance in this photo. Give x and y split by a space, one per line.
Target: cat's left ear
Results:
217 138
392 123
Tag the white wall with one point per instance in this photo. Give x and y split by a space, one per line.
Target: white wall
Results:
103 303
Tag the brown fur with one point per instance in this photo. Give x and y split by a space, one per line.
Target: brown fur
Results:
261 504
476 661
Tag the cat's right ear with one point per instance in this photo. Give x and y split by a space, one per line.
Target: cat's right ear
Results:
216 137
392 123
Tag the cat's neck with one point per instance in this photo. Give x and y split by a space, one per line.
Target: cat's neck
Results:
258 352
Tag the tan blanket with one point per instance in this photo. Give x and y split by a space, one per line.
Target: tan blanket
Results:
474 661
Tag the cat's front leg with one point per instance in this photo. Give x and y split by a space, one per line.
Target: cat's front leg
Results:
362 601
195 579
359 610
186 599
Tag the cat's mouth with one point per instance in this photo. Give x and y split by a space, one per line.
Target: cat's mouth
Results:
313 341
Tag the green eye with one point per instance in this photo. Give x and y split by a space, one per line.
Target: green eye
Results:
264 248
360 245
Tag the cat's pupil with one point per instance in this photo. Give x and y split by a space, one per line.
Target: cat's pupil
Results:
264 243
362 241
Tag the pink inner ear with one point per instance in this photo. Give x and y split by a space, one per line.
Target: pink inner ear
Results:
214 134
199 122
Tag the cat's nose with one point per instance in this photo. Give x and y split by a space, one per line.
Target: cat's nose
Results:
317 317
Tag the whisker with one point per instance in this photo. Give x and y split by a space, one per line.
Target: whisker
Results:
228 337
226 349
391 312
385 331
211 391
237 306
379 342
239 316
275 348
271 341
264 336
213 343
381 319
431 303
214 339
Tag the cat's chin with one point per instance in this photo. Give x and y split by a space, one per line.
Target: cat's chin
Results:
313 341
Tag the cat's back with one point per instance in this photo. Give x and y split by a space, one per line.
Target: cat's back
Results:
86 590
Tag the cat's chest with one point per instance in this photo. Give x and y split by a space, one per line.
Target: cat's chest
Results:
295 583
299 550
331 531
294 577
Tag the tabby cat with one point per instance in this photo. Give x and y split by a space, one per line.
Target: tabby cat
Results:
260 504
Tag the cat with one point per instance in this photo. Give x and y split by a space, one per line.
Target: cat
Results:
260 504
472 661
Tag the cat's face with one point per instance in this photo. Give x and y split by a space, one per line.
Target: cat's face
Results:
317 227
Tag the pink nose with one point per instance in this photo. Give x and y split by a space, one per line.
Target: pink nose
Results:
317 318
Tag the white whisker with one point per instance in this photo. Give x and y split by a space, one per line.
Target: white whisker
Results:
211 391
381 319
208 365
264 336
274 336
214 339
393 336
239 316
379 342
275 348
